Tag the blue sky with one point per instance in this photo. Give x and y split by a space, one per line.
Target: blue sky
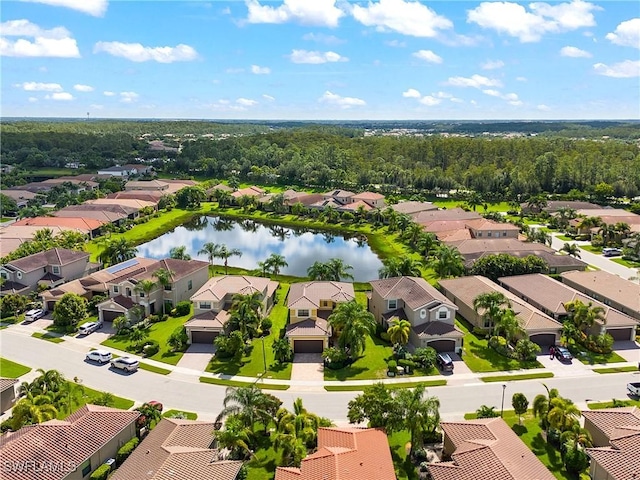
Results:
321 59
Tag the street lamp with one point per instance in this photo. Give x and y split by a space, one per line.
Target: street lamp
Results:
264 357
504 387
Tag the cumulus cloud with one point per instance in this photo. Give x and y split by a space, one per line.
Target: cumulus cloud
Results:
83 88
128 97
430 101
396 43
315 57
342 102
55 42
428 56
97 8
574 52
475 81
32 99
406 17
108 93
625 69
257 70
322 38
411 93
246 102
137 52
39 87
322 13
492 65
60 96
515 20
543 107
268 98
626 34
512 98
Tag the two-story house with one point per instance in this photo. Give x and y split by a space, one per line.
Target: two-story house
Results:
373 199
341 197
310 304
50 268
430 313
212 301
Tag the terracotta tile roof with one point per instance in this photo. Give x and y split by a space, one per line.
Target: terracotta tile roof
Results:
412 207
345 454
453 235
485 224
12 236
146 184
368 196
311 327
132 203
325 203
146 195
220 186
606 285
424 217
19 194
497 245
217 288
352 207
75 286
487 449
179 268
252 191
620 462
177 449
68 442
100 215
437 329
209 320
304 198
309 294
608 419
114 207
339 193
415 292
85 224
7 383
54 256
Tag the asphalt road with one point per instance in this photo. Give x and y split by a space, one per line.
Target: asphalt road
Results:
186 393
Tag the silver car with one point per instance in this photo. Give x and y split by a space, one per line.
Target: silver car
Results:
99 356
127 364
33 315
89 327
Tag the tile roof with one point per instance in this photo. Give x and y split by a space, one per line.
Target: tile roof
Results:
339 193
311 327
121 300
368 196
438 329
304 198
497 245
177 449
252 191
424 217
308 295
217 288
54 256
416 292
143 184
100 215
68 442
146 195
453 235
132 203
352 207
487 449
620 290
7 383
609 419
345 454
412 207
86 224
209 320
113 207
220 186
485 224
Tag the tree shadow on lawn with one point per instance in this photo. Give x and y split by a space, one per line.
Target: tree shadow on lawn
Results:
225 366
500 362
404 465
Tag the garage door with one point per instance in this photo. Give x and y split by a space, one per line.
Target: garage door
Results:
543 339
443 345
203 337
619 333
308 346
110 315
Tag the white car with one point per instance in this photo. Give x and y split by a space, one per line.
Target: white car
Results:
127 364
33 315
99 356
89 327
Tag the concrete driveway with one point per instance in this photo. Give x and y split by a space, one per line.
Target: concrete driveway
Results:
99 335
307 368
197 356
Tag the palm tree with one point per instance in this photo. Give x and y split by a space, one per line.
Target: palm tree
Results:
144 289
608 233
353 324
400 267
276 203
165 278
542 404
474 200
179 253
338 270
236 437
30 410
211 250
248 403
318 271
149 416
225 253
447 262
246 312
421 414
44 235
571 249
275 262
563 415
117 250
412 233
584 316
399 331
426 242
49 380
507 323
491 304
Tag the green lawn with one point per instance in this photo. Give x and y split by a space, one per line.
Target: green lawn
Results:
234 383
88 396
12 320
592 358
398 442
252 365
180 414
158 331
626 263
630 368
625 403
479 357
48 337
9 369
509 378
491 207
390 386
154 369
592 249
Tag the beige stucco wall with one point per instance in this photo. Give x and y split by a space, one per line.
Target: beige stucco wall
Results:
598 437
598 473
7 399
293 318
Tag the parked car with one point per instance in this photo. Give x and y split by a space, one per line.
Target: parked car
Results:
633 389
89 327
444 362
34 314
563 354
156 404
611 252
127 364
99 356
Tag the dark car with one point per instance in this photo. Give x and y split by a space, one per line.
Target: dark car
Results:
563 354
444 362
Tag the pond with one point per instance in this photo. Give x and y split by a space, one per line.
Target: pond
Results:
256 241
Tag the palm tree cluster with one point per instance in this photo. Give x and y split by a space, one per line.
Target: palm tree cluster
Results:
273 264
117 250
333 270
582 318
400 267
214 250
498 315
352 324
44 239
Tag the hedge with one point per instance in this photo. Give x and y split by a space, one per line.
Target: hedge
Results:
126 449
101 473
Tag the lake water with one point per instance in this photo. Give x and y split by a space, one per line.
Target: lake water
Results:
300 247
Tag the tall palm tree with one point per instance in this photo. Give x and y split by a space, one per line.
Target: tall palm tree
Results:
165 278
584 316
426 243
275 262
571 249
48 380
225 253
236 437
318 271
179 253
246 312
248 403
421 414
608 233
563 415
144 289
353 324
399 331
507 323
491 304
117 250
542 404
447 262
412 233
44 235
400 267
339 270
31 410
211 250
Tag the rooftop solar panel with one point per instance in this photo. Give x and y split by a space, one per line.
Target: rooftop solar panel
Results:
123 265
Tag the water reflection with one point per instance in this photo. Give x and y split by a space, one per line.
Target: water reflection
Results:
300 247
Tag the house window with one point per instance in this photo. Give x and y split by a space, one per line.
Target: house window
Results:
141 294
488 234
504 234
392 304
167 288
4 275
128 292
205 306
303 313
86 468
56 269
19 275
479 234
116 289
487 323
443 314
190 285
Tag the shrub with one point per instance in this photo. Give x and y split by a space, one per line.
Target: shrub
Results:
12 304
526 350
334 358
266 324
481 332
182 309
385 336
487 412
499 344
126 449
409 365
392 364
399 351
229 345
178 340
425 356
150 348
101 473
420 455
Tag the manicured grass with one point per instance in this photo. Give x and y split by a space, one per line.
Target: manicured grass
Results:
565 238
12 320
479 357
160 332
47 337
154 369
180 413
591 358
234 383
52 172
491 207
626 263
592 249
630 368
398 444
609 404
390 386
89 395
266 458
9 369
509 378
252 365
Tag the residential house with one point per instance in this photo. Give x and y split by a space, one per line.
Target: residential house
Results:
412 207
342 197
100 215
310 304
555 205
154 185
78 185
131 203
483 228
345 453
49 268
373 199
540 328
325 203
253 191
291 197
68 449
211 192
430 313
21 197
11 237
6 168
425 217
152 196
551 297
486 448
187 276
88 226
33 187
138 169
610 289
181 449
616 440
355 207
7 393
212 301
117 171
127 211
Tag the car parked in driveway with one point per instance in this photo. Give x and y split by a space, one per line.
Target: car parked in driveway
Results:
34 314
99 356
89 327
563 354
444 362
127 364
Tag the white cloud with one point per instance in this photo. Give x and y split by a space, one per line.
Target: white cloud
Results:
411 93
137 52
128 97
430 101
33 99
56 42
543 107
406 17
96 106
512 98
315 57
60 96
322 38
574 52
83 88
521 79
257 70
323 13
39 87
428 56
514 20
343 102
627 34
626 69
492 64
108 94
268 98
476 81
491 93
246 102
396 43
97 8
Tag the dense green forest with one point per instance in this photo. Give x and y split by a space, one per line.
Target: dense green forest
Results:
331 155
